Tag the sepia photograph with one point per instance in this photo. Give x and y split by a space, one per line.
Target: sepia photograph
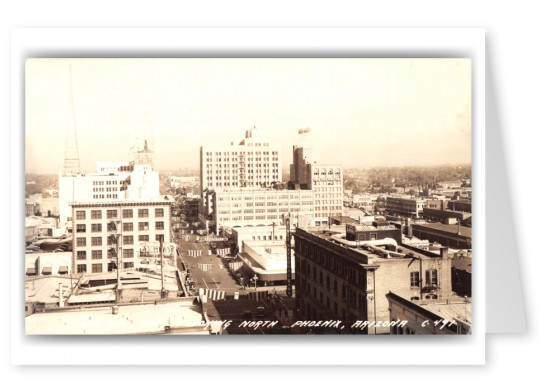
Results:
248 196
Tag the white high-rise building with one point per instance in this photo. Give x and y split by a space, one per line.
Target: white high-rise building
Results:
112 181
252 163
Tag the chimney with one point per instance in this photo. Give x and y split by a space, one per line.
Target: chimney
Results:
60 294
37 263
444 252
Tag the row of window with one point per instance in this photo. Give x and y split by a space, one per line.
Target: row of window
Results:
142 226
235 153
98 267
126 239
113 213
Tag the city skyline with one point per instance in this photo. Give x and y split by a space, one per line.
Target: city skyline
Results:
410 112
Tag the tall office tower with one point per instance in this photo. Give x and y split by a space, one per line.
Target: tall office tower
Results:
324 179
251 163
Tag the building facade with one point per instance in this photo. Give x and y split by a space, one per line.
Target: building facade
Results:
112 181
406 207
348 279
262 207
430 317
325 180
105 230
253 162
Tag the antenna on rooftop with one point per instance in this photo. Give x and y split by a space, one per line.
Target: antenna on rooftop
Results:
71 164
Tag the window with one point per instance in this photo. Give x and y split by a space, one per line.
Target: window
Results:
143 226
159 238
127 265
81 227
128 253
128 239
127 213
97 268
159 212
143 238
128 227
96 214
96 254
143 212
159 225
81 254
81 215
431 277
431 297
81 268
111 214
96 227
96 241
414 279
81 242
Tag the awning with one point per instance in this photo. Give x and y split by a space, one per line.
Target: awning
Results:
92 298
63 270
31 271
274 276
46 270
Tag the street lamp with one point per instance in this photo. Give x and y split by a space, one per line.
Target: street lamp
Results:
254 280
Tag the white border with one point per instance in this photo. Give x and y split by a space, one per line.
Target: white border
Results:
282 350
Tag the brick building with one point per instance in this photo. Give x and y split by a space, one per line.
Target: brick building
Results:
347 280
99 226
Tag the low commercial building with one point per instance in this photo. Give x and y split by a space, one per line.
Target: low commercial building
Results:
273 233
339 276
444 216
454 236
267 261
460 205
406 207
452 316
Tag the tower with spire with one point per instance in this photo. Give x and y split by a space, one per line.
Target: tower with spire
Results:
71 163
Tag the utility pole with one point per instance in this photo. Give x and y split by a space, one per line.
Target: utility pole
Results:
118 291
289 269
163 293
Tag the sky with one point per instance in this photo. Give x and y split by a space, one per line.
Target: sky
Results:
361 112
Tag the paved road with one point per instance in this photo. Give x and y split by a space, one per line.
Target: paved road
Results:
216 277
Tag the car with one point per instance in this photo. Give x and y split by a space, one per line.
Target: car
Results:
260 312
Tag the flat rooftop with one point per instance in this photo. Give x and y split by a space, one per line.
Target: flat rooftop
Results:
131 319
46 289
460 311
326 234
158 199
450 228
